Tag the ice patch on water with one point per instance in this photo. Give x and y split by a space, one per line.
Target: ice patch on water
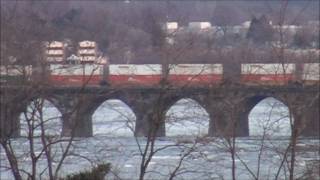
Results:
166 157
128 165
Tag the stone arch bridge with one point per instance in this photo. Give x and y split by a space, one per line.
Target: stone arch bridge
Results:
227 106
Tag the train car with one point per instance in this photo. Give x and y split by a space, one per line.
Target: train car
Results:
311 73
267 74
15 74
76 75
133 74
195 74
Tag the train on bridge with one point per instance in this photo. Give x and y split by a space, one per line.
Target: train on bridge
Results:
88 67
95 74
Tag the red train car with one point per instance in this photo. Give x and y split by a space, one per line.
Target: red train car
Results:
76 75
195 74
267 74
132 74
179 74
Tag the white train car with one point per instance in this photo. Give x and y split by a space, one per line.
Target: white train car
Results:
134 74
76 75
195 74
311 73
273 74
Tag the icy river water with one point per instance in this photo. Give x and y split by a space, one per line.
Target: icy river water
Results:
113 142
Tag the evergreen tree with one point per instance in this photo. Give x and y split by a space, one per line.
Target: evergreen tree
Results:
260 31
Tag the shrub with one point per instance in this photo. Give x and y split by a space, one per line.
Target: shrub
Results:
96 173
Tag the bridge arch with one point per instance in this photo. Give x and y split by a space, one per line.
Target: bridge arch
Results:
41 111
113 117
186 116
268 115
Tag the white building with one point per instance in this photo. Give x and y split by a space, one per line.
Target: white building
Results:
87 51
55 51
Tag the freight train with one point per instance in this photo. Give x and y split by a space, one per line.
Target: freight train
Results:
94 74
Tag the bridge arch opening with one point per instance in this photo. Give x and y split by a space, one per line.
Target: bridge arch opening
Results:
187 117
41 118
269 117
113 118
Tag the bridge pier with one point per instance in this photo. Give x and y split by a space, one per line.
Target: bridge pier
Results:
242 128
11 108
304 109
148 124
77 124
310 125
10 121
218 122
76 116
150 115
227 118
